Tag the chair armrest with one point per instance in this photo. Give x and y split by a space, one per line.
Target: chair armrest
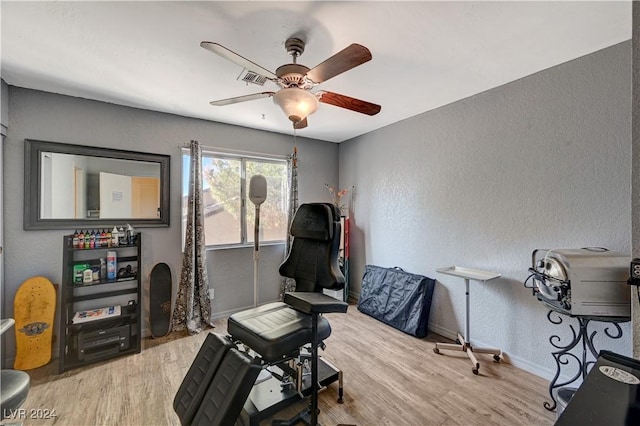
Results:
5 324
314 303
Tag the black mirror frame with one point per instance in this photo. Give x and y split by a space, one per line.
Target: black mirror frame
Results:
32 168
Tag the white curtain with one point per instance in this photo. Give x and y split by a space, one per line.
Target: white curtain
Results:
193 307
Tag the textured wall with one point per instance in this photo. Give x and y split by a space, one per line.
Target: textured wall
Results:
542 162
635 206
50 117
4 106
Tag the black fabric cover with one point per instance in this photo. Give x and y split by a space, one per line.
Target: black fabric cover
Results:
398 298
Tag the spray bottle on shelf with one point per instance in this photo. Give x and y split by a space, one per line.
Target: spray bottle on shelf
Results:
112 265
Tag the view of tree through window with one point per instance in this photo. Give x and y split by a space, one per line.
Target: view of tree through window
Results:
228 213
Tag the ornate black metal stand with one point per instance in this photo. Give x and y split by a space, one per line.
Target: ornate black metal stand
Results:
564 355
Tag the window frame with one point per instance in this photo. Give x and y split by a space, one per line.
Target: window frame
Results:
243 157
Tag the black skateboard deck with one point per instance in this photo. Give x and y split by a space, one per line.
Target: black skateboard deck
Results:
160 290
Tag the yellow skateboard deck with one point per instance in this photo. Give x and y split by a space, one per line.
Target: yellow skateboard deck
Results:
34 308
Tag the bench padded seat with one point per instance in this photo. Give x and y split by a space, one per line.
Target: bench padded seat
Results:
275 330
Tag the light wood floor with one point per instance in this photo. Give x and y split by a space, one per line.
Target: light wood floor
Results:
390 379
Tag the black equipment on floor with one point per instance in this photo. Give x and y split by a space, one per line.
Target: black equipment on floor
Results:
397 298
276 335
610 395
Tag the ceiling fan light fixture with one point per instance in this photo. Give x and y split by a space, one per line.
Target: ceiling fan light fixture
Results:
296 103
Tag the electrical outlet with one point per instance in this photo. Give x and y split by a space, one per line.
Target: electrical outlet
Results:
211 293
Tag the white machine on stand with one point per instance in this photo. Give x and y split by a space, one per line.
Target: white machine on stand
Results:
464 343
257 195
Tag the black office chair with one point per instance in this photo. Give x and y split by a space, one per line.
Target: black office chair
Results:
276 332
14 384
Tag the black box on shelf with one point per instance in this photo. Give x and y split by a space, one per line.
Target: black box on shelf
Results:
96 343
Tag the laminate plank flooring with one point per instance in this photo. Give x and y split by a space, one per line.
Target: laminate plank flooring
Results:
390 378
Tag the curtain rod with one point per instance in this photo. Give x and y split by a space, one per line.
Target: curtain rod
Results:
236 151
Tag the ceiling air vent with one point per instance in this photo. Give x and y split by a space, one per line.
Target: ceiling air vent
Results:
251 77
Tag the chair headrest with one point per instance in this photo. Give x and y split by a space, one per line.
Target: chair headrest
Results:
314 221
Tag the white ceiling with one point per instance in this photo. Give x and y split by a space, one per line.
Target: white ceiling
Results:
425 54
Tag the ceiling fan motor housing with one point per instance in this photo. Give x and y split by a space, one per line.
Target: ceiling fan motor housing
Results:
293 75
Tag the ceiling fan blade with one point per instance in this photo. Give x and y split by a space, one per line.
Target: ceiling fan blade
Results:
348 58
237 59
301 124
244 98
347 102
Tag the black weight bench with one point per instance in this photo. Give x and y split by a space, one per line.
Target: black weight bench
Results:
274 335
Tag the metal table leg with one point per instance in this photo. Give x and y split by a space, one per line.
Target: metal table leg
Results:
563 355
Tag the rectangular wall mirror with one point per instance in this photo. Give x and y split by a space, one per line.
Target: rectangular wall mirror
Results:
74 186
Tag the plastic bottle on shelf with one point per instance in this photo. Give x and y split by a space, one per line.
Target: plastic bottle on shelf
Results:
74 239
131 234
92 239
103 238
87 239
114 237
87 276
103 268
80 242
122 236
108 238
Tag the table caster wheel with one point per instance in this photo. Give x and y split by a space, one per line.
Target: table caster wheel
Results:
496 358
475 371
436 350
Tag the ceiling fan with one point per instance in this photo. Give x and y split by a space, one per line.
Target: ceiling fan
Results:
296 81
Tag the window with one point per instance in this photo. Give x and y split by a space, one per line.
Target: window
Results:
228 214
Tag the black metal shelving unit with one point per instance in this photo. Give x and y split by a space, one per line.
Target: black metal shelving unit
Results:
97 340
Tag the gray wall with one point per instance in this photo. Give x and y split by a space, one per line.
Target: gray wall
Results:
635 196
542 162
4 107
51 117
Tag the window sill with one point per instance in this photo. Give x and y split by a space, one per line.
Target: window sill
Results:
243 246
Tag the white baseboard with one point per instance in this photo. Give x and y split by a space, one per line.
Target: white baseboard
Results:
516 361
445 332
223 314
